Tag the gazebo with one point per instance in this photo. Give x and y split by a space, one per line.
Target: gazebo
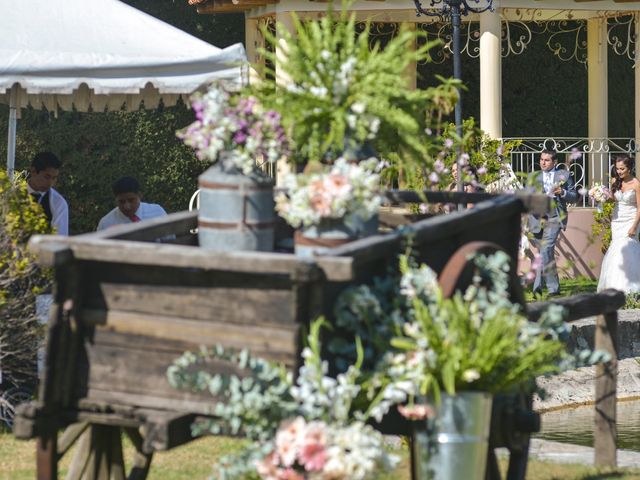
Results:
492 41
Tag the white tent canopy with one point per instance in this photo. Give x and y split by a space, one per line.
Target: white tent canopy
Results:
100 54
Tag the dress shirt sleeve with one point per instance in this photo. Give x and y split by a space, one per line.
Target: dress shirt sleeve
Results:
59 214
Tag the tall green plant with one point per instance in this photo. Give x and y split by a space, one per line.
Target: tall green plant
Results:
20 281
338 92
601 227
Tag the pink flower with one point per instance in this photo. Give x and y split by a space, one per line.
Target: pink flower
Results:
312 453
575 154
448 143
288 439
289 474
324 191
267 467
416 412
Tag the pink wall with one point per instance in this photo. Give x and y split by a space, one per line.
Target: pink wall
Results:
577 253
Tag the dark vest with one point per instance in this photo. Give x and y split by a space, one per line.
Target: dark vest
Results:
45 201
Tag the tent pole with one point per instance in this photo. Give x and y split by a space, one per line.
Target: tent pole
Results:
11 142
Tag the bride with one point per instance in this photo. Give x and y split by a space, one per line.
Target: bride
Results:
621 264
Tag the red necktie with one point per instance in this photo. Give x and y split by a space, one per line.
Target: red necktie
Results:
134 218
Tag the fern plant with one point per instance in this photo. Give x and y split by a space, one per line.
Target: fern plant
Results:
340 94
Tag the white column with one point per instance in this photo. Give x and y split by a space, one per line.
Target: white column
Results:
284 22
637 91
598 91
411 72
11 139
491 73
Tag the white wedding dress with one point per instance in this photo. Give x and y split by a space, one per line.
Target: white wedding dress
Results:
621 264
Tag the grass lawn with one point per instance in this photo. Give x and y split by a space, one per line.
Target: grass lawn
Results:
193 462
567 288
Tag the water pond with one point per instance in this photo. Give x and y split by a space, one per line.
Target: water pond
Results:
575 425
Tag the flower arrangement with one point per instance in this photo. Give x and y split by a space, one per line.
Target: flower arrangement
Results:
339 91
348 191
419 344
302 430
600 193
234 129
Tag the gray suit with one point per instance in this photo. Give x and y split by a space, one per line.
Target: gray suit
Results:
546 229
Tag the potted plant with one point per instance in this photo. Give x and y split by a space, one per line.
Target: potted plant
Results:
332 205
345 101
235 134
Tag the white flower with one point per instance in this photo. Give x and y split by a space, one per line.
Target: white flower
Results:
470 375
358 107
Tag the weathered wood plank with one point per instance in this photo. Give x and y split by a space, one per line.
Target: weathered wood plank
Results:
281 339
69 437
470 223
166 430
581 306
180 256
237 305
531 202
148 230
605 432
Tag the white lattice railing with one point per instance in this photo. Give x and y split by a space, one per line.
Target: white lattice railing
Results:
589 159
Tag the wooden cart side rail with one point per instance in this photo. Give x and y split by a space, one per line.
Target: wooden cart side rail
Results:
433 229
55 251
581 306
604 305
535 203
149 230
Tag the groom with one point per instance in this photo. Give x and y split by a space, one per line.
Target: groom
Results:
560 186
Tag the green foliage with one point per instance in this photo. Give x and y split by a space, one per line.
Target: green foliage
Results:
485 153
632 301
20 281
340 94
601 226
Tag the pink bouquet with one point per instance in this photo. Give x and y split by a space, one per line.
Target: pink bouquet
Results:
599 193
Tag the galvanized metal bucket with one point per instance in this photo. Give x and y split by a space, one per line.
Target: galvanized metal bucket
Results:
318 239
454 444
236 210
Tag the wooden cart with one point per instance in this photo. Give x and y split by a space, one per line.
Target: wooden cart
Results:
126 304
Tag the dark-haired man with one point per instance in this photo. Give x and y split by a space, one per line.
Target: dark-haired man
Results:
43 175
560 186
130 207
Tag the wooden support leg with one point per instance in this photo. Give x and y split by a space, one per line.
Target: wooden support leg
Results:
493 470
605 432
518 460
99 455
47 456
141 460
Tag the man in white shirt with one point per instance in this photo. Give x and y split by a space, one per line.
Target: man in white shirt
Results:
43 175
130 207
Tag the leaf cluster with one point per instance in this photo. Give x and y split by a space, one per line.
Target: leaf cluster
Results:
601 226
338 92
20 281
